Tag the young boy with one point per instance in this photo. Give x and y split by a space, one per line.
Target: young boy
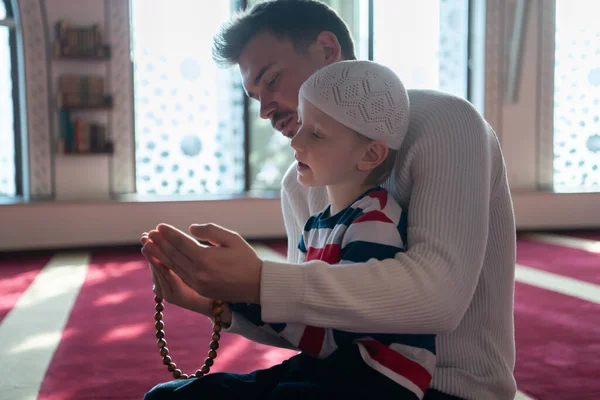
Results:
353 116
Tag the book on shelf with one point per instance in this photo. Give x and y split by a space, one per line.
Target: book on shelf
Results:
79 41
78 136
82 91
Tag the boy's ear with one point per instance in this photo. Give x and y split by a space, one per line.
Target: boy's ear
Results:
374 155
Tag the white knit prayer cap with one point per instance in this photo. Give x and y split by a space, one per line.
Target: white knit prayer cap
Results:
363 95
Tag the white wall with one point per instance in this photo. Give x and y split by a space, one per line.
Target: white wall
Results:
80 224
83 214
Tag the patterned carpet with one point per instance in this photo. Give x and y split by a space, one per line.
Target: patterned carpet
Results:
78 325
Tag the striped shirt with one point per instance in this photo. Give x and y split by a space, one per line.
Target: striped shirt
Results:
373 227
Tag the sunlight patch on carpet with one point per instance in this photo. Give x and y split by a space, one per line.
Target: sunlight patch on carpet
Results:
114 298
558 283
593 246
266 253
34 326
125 332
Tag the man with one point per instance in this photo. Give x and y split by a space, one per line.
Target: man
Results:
455 280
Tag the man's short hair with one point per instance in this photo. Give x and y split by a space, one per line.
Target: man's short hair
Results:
301 21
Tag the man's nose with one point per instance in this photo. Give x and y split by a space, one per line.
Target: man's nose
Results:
267 107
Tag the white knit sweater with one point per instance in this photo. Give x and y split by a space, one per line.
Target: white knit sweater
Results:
457 277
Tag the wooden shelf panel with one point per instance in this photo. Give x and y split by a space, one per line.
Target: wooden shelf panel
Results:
82 58
86 107
88 153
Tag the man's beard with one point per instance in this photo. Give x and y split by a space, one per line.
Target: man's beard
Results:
281 116
278 116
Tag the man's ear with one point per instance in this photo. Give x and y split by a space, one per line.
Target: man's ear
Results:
375 154
329 47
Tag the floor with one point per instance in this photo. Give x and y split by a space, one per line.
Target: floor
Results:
77 325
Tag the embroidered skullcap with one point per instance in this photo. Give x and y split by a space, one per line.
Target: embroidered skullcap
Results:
363 95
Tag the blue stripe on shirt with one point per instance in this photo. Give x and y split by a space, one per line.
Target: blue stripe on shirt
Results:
403 228
421 341
360 251
321 221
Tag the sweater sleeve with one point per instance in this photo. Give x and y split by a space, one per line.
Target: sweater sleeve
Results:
428 288
292 220
243 327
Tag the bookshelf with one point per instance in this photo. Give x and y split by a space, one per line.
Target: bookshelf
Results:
80 90
76 57
88 107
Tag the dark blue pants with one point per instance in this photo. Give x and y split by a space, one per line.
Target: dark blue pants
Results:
344 373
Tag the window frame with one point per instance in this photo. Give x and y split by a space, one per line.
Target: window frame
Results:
10 22
545 150
528 137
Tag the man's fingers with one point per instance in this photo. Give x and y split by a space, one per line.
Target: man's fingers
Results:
172 257
180 240
147 251
156 256
163 277
157 287
214 234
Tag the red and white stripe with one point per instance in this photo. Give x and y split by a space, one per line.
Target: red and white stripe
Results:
408 366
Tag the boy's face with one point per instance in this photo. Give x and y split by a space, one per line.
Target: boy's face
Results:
327 151
272 72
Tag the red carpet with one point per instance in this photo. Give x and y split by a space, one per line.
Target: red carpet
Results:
108 350
555 333
279 246
108 347
558 343
572 263
16 274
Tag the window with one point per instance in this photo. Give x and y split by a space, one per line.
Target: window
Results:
188 112
9 139
190 137
577 97
270 152
438 60
425 42
546 108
